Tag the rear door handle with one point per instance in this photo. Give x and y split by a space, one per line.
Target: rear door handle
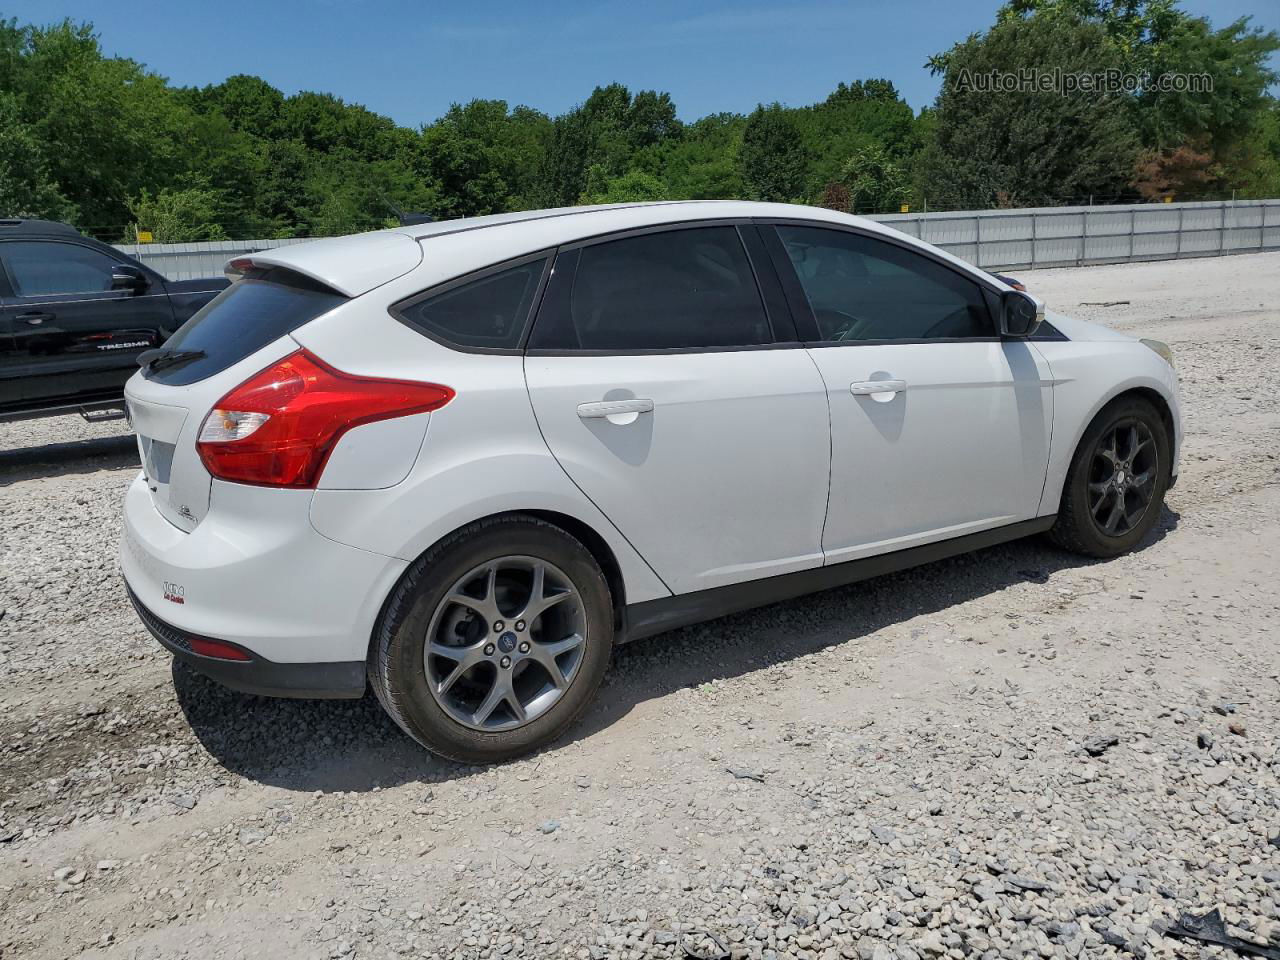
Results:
612 408
867 387
35 319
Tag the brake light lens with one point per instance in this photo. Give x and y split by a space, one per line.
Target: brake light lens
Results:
278 428
237 268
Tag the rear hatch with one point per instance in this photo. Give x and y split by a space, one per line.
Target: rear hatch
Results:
242 330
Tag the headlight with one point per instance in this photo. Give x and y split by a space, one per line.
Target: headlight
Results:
1160 348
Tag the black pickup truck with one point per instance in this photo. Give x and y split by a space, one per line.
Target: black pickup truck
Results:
74 315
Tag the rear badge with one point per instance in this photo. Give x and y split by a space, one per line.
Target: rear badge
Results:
174 592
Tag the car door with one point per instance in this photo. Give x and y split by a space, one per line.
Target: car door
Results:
681 406
938 427
74 336
9 380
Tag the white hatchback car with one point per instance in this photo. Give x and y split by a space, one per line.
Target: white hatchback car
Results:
460 461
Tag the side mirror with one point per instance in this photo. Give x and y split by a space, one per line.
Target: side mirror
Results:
1020 313
127 277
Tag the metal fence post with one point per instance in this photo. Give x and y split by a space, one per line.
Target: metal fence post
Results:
1177 250
977 226
1084 236
1133 228
1222 229
1033 239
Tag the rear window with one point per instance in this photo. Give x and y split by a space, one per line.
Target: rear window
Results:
261 307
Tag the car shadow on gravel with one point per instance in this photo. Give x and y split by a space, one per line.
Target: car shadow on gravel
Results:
351 745
75 456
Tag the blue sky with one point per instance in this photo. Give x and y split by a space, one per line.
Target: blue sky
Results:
410 60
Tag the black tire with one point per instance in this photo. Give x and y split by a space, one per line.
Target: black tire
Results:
1076 529
396 669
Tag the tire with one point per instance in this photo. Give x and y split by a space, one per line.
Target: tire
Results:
1083 499
408 681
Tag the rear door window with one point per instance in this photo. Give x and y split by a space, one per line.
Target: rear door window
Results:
681 289
261 307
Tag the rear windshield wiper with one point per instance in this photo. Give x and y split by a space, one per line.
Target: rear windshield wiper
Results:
158 359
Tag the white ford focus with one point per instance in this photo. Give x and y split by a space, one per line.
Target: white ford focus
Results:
458 462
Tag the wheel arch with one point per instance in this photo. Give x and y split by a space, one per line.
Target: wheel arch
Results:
1161 403
1146 390
577 528
600 550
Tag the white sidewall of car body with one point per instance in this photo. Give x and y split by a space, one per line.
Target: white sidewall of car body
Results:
483 454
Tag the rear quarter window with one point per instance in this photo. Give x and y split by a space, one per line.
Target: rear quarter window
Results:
483 311
261 307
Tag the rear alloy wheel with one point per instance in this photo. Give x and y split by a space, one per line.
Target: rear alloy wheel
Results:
494 641
1117 480
505 643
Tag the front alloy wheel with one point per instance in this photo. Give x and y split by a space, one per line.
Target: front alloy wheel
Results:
1122 477
1116 482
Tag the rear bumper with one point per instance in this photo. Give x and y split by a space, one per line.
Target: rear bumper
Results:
258 675
255 573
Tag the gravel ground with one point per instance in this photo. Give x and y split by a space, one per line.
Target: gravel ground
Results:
1014 753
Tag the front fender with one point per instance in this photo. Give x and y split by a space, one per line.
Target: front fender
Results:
1087 376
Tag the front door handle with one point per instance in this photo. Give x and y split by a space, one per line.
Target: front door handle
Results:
35 319
601 409
865 388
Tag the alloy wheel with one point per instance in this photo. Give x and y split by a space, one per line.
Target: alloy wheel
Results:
505 643
1122 477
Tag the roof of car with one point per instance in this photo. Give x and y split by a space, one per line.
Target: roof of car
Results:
356 264
19 227
580 222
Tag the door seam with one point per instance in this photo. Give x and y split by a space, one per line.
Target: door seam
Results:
1053 420
533 410
831 453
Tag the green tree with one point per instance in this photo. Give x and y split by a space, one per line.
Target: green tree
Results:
483 157
861 116
1155 37
108 126
27 188
1253 165
876 182
178 216
634 186
1026 145
773 159
249 103
703 163
612 129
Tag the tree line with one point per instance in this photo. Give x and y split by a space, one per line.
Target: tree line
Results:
104 143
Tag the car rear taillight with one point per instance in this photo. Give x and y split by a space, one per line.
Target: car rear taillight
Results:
278 428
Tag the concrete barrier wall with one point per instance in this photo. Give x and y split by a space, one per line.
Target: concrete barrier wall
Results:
992 239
